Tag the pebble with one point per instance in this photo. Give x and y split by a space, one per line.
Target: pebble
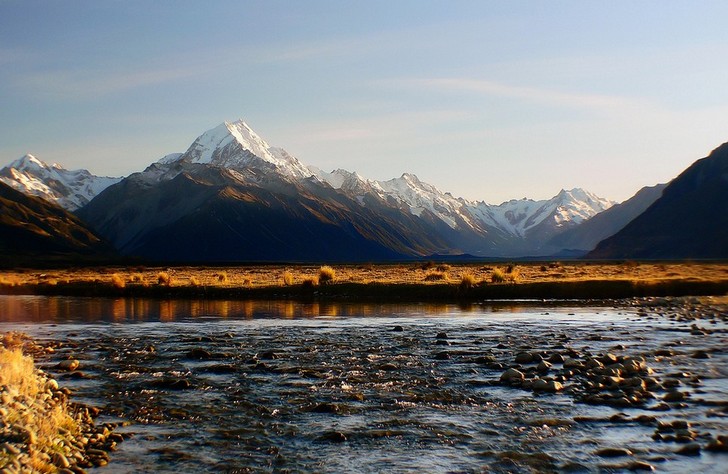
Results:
691 449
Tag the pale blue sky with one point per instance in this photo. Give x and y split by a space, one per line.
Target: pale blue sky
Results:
487 100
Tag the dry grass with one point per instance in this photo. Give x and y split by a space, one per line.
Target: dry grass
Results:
222 277
25 390
437 275
310 282
467 281
287 278
194 281
163 278
326 275
408 274
118 281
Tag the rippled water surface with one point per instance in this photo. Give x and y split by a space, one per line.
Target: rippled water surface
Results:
287 387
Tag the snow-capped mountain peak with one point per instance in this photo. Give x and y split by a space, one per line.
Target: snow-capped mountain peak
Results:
71 189
235 145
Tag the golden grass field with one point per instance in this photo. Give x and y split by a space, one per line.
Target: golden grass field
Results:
261 280
407 273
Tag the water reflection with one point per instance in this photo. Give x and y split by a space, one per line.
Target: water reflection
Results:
119 310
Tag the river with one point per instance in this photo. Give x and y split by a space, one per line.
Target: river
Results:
232 386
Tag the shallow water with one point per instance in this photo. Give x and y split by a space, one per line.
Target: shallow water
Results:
290 387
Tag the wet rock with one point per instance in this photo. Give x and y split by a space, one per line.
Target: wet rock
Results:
171 384
443 355
333 436
68 365
524 358
700 354
543 366
550 386
398 329
640 466
613 452
512 375
198 353
441 335
691 449
608 359
556 358
718 445
674 396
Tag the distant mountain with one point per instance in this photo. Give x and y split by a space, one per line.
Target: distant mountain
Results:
689 220
252 209
513 228
579 240
69 189
231 196
32 229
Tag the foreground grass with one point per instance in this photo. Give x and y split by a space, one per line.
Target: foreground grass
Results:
414 281
36 419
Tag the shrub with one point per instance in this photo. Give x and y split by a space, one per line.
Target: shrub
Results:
247 281
436 276
510 268
117 281
137 278
310 282
428 265
194 281
326 275
287 278
163 278
467 281
443 268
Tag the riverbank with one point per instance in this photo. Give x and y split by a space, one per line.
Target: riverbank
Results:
390 282
41 429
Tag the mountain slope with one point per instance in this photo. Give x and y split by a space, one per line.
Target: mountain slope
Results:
690 220
208 213
31 228
584 237
69 189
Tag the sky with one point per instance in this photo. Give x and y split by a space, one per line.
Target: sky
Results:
489 100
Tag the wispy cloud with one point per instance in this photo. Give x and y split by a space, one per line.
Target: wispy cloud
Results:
79 84
598 102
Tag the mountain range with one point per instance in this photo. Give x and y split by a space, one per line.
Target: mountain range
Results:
33 227
233 197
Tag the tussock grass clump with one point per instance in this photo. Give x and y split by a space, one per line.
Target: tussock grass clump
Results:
498 276
443 267
287 278
310 282
194 281
467 281
137 278
437 276
247 281
117 281
222 277
326 275
163 278
428 265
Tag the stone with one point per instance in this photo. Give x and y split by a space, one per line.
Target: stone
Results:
690 449
674 396
613 452
69 365
543 366
511 375
524 358
640 466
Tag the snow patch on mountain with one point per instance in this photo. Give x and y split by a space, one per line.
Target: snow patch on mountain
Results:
71 189
235 145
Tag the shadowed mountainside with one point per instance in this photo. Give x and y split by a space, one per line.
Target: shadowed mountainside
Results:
34 229
690 220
